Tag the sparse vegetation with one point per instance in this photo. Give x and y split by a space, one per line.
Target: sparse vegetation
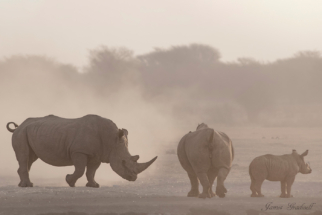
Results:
188 82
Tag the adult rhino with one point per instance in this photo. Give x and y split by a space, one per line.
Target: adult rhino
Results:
281 168
82 142
206 155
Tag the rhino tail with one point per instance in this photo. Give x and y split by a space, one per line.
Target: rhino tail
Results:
10 129
210 140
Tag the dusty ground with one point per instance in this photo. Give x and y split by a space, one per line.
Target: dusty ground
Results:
163 190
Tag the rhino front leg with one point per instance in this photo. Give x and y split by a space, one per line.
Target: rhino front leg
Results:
283 189
220 189
79 160
203 178
289 183
194 192
92 166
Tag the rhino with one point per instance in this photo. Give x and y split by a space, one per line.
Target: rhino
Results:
281 168
84 142
205 155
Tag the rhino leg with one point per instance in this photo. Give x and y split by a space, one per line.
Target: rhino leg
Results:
194 192
289 183
203 178
283 189
32 158
220 189
212 175
252 188
79 160
92 166
258 187
22 151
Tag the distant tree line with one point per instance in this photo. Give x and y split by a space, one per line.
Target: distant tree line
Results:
185 81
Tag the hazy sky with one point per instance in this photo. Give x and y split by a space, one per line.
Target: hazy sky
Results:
67 29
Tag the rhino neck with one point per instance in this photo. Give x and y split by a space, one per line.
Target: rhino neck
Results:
105 154
298 162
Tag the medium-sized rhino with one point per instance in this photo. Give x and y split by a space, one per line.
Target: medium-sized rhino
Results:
281 168
84 142
206 155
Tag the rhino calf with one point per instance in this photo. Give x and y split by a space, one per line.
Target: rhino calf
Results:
84 142
281 168
206 155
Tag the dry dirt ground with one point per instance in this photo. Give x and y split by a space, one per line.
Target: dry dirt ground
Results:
163 189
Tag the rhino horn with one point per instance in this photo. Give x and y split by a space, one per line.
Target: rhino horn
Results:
135 158
143 166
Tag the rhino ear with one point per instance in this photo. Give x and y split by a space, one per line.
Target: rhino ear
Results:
125 131
305 153
294 151
121 133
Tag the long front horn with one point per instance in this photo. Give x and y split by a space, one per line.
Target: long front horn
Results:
142 166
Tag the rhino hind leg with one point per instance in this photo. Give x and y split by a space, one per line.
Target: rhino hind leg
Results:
92 166
258 187
194 192
203 178
32 158
22 151
220 189
79 160
212 175
252 188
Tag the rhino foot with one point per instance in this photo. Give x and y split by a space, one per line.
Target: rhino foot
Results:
286 196
212 194
220 191
256 195
193 193
25 184
222 195
204 195
69 182
92 184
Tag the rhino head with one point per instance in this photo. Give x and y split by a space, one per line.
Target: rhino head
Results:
304 167
123 163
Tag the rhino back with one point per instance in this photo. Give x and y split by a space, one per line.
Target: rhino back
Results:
223 152
197 149
274 167
53 139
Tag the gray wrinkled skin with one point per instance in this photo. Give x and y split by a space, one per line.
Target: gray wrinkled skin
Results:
206 155
281 168
83 142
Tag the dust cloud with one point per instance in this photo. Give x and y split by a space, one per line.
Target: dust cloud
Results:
158 96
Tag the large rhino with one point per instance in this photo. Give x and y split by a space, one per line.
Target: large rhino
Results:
281 168
83 142
206 155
